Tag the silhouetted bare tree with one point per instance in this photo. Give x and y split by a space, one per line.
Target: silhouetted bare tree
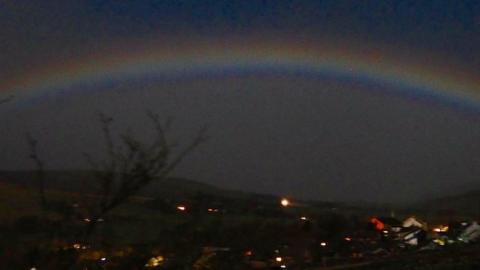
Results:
132 164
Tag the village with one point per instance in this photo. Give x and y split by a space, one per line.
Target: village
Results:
339 246
201 230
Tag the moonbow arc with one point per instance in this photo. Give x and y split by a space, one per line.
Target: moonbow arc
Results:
422 80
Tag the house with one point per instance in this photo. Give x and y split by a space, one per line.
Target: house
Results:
412 235
471 233
386 224
414 222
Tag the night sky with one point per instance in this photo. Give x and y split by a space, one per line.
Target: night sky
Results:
330 100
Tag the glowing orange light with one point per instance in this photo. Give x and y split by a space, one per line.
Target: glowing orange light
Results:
181 207
348 239
285 202
278 259
248 253
323 244
441 228
377 223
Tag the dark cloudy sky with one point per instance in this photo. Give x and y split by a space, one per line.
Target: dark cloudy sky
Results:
305 136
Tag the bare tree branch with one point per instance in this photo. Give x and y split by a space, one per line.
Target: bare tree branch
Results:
40 170
5 100
132 164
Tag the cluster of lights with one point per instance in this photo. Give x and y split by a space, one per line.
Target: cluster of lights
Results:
441 228
87 220
183 208
79 246
155 261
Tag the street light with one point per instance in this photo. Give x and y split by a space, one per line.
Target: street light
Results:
285 202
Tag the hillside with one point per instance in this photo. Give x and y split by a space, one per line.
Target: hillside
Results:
462 205
84 181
